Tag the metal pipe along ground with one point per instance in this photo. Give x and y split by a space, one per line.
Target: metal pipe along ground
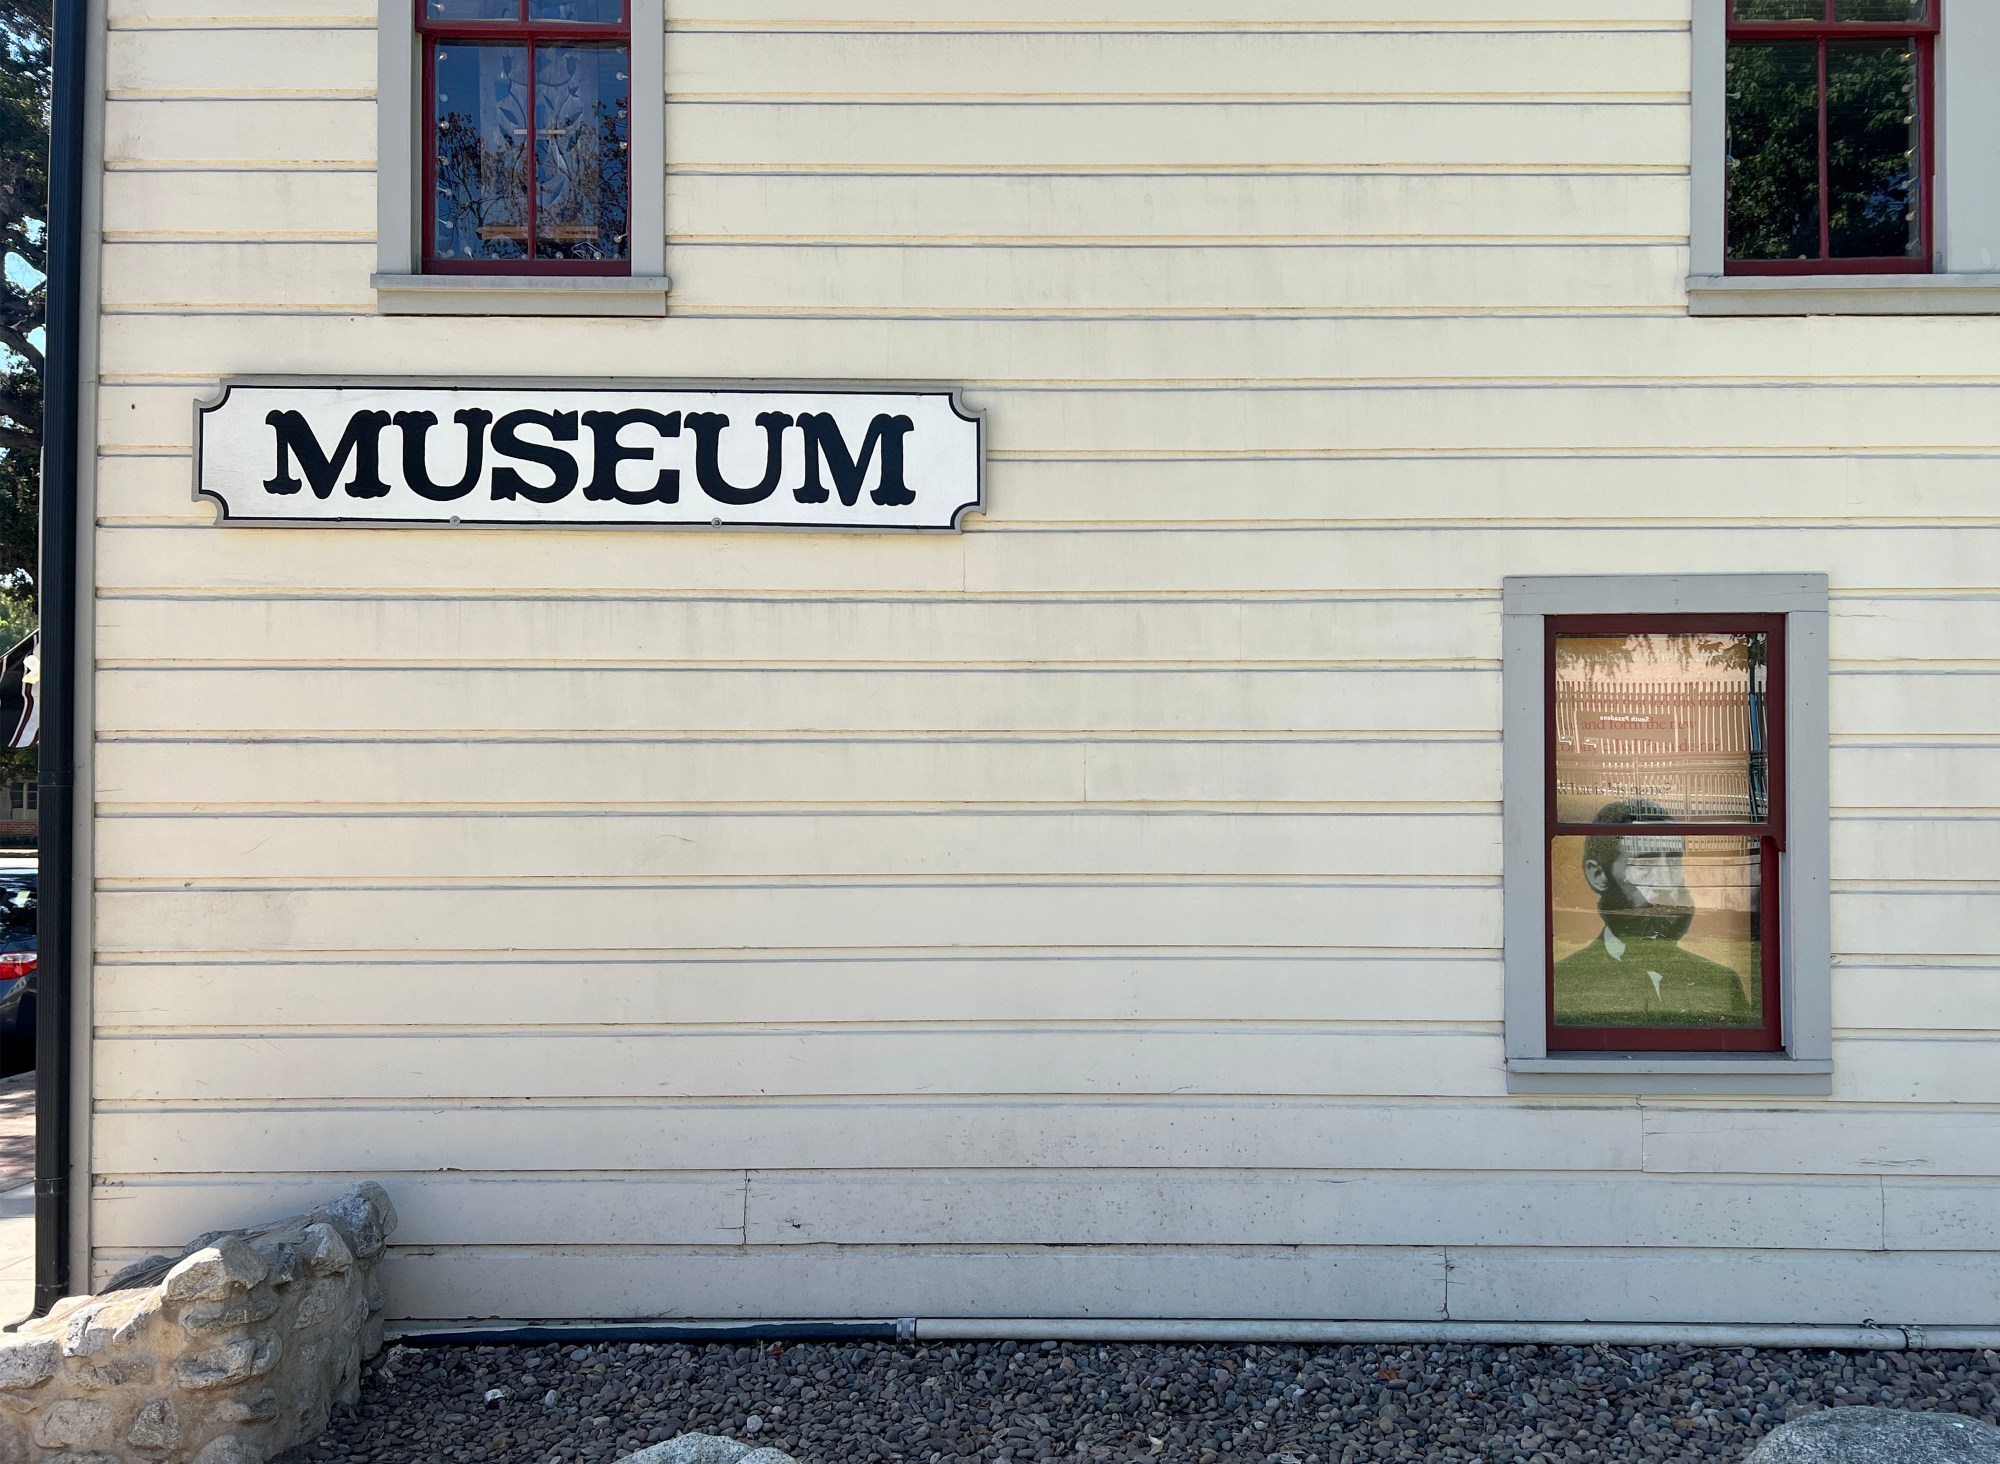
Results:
1195 1330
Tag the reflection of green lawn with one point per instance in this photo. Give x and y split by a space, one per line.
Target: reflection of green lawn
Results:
1739 956
1597 992
1743 959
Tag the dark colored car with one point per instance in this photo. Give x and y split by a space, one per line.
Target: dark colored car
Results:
17 969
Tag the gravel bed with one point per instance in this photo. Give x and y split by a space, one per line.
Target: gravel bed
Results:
848 1403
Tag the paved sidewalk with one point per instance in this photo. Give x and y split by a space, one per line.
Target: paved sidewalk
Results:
17 1198
17 1130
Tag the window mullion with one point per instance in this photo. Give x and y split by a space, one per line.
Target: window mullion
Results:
1825 189
534 142
1770 936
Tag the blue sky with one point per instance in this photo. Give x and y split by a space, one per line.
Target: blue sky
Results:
21 273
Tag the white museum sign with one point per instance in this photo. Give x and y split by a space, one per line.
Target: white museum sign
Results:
835 457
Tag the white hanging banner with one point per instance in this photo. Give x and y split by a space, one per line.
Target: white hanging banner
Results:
835 457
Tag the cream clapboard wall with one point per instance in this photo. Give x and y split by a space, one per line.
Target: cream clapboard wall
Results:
1097 913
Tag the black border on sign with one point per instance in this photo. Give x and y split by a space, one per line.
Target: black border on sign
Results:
204 405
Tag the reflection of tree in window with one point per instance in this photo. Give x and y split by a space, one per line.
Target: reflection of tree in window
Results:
1871 148
530 152
582 135
482 170
1826 153
1676 717
479 184
1774 151
1688 650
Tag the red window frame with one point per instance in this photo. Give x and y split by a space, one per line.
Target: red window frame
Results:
530 33
1923 35
1770 834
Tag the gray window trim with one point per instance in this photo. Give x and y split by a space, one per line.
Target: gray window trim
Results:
1966 278
1806 1067
400 289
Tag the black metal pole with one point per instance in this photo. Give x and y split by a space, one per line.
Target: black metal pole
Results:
62 385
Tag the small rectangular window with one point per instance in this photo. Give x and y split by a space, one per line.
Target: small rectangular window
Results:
1664 751
1831 135
528 127
1665 828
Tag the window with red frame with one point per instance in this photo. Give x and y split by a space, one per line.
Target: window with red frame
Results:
1831 108
1665 827
527 148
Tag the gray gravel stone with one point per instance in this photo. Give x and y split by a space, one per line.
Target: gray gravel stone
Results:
1880 1436
1043 1403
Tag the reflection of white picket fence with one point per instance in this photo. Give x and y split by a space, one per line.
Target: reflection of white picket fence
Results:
1686 745
1722 874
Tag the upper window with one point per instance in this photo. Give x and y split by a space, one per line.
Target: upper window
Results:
1831 136
1665 828
527 147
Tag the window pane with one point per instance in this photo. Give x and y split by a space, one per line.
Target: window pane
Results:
1661 727
1881 10
582 133
1780 9
1871 95
482 151
588 12
1657 930
473 10
1774 150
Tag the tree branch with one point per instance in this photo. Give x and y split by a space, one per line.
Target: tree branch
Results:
23 407
17 240
17 341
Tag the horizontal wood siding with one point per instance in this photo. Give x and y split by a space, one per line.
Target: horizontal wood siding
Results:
1093 914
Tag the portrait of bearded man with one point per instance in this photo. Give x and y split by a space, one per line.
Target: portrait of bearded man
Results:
1636 972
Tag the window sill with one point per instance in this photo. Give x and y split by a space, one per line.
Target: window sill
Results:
627 295
1911 294
1651 1074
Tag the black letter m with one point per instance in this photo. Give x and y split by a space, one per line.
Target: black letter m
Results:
823 439
362 440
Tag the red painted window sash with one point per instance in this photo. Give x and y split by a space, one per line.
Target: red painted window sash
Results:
1930 24
1770 834
530 33
1924 34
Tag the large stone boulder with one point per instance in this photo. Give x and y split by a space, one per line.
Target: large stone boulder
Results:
229 1353
1880 1436
697 1448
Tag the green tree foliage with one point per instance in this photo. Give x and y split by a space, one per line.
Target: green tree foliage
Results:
1774 181
25 31
26 28
1774 150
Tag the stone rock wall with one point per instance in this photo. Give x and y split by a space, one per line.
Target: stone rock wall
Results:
229 1354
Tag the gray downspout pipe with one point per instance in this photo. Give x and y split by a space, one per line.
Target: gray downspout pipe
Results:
1197 1331
61 392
